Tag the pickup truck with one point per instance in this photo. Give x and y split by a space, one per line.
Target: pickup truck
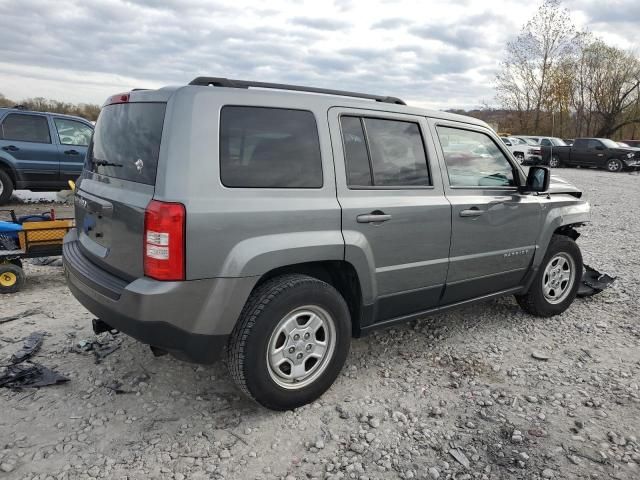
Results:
592 152
40 151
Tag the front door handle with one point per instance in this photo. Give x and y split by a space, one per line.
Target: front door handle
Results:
373 217
11 148
71 152
472 212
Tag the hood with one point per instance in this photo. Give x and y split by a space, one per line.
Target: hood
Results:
623 150
560 185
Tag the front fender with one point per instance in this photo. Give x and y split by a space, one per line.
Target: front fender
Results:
559 211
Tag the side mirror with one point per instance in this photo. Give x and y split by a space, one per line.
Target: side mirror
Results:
538 179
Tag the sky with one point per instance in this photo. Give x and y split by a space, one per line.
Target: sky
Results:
432 53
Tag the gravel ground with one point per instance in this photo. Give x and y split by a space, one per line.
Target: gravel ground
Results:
457 395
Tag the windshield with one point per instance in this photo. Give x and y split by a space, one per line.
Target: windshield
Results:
558 142
608 143
531 141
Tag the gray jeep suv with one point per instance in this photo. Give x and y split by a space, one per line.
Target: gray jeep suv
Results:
270 226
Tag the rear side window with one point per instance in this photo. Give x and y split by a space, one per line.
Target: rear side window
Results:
25 128
126 141
71 132
386 153
269 148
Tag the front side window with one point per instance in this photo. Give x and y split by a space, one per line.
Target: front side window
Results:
594 144
387 153
71 132
473 159
25 128
269 148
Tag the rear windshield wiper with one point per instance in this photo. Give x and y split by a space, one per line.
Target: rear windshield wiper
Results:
105 163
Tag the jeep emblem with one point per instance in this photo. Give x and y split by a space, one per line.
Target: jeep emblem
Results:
139 165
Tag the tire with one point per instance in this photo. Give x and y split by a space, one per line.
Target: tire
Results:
6 187
539 301
554 161
11 278
614 165
274 314
519 157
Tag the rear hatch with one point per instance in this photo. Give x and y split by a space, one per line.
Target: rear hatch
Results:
118 183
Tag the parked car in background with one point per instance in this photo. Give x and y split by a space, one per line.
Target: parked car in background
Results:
518 146
302 220
592 152
632 143
542 142
40 151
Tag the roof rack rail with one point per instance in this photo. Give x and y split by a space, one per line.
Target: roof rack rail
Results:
229 83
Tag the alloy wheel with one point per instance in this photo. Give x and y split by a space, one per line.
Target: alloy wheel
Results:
558 278
300 347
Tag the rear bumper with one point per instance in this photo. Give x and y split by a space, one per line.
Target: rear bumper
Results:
190 319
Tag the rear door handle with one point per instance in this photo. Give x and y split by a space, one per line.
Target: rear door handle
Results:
11 148
373 217
71 152
472 212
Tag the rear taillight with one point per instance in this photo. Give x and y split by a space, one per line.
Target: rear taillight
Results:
164 251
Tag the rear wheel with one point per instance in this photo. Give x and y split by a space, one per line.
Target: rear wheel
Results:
291 341
6 187
11 278
555 286
554 161
614 165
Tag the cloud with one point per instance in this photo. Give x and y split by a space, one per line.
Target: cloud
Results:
326 24
432 53
391 23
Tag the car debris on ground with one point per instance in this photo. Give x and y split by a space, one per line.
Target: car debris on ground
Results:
20 372
593 282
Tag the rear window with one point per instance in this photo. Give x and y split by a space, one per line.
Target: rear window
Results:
269 148
126 141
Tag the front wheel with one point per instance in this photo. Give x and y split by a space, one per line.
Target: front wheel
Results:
11 278
519 157
555 285
614 165
291 341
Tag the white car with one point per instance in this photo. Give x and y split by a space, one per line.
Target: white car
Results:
521 147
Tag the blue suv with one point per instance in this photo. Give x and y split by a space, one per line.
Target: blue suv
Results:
40 151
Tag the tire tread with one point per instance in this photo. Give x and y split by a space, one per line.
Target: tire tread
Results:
259 299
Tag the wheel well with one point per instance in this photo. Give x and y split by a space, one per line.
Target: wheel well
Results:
568 231
9 171
337 273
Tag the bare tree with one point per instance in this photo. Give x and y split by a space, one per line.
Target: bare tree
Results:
613 84
546 40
